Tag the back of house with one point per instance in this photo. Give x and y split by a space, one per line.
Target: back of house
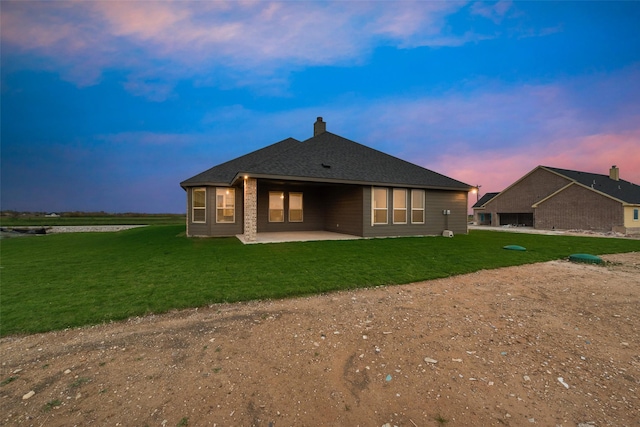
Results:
326 183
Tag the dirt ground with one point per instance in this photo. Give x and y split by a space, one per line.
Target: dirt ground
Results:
551 344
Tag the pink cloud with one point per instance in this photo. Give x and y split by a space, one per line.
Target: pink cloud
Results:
493 135
597 153
496 170
414 24
82 39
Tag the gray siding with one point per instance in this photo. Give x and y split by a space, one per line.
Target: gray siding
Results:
210 228
197 228
337 208
312 207
435 222
344 209
454 201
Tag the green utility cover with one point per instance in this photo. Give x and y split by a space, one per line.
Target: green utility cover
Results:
591 259
514 248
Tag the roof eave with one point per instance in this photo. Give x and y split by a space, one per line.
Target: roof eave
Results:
242 175
186 185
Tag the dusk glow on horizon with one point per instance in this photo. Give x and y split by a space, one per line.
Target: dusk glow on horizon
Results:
108 106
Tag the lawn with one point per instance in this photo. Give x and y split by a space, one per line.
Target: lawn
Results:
106 219
66 280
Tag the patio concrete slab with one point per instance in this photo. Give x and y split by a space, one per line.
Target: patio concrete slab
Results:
297 236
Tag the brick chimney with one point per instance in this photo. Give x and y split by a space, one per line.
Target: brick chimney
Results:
614 173
319 127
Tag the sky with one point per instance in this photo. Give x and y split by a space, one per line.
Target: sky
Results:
109 105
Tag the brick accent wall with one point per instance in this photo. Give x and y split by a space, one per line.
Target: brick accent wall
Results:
580 208
250 209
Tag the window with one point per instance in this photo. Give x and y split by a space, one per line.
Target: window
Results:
199 205
635 214
417 206
380 206
295 207
276 206
225 205
399 206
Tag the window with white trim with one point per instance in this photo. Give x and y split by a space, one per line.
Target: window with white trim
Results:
635 214
225 205
199 205
276 206
379 206
295 207
417 206
399 206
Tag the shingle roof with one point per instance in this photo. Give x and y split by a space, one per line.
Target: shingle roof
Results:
623 190
484 199
326 158
225 173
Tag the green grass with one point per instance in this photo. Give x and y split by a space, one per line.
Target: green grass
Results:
68 280
121 219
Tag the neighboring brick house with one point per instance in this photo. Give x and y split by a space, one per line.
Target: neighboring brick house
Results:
551 198
480 217
325 183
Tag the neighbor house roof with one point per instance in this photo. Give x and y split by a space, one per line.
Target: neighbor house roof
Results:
484 199
622 190
325 158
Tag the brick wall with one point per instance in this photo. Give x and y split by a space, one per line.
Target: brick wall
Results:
577 207
520 198
533 188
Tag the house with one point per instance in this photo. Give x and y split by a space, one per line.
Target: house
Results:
325 183
479 216
551 198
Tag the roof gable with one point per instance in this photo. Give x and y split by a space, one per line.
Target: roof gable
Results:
327 158
522 178
621 190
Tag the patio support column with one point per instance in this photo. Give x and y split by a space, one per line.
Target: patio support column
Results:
250 209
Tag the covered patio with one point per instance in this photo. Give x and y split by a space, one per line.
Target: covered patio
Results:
295 236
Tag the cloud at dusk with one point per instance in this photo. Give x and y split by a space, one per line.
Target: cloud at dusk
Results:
594 153
109 105
191 39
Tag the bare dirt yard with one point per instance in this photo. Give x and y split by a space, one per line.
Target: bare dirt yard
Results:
551 344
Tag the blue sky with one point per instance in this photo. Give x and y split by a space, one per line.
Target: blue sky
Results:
107 106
